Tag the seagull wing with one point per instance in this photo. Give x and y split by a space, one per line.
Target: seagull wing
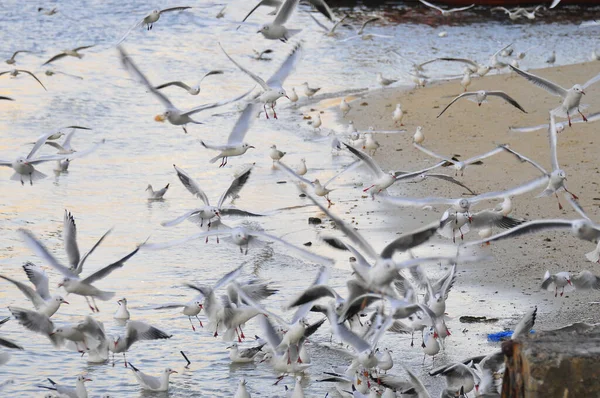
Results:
38 80
132 68
268 3
349 167
483 156
174 9
463 60
38 144
400 175
215 104
578 208
410 240
82 48
175 83
593 80
191 185
28 291
70 239
433 154
86 255
313 293
460 8
467 94
525 159
104 272
137 330
507 98
57 56
254 77
367 160
166 245
35 322
180 219
349 231
137 24
432 6
519 190
349 337
525 228
552 137
368 21
325 28
547 85
38 277
323 8
236 186
418 202
451 179
528 129
42 252
242 125
305 253
525 324
282 166
286 68
285 11
586 280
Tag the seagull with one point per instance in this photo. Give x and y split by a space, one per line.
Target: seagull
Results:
329 31
418 137
37 322
571 97
194 90
556 178
71 53
71 282
76 262
461 165
156 195
40 297
235 142
24 166
476 68
190 309
149 19
242 391
512 15
47 11
275 30
481 96
344 107
8 343
309 91
79 391
272 88
172 114
383 81
244 356
365 36
465 82
531 14
398 115
49 72
316 123
259 55
153 383
276 154
551 58
448 11
65 148
584 280
208 212
15 73
122 313
12 60
135 331
5 98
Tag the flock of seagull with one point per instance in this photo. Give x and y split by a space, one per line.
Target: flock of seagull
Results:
384 295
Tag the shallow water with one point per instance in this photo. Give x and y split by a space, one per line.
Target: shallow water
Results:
107 188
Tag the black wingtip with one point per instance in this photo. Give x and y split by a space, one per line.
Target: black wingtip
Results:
133 367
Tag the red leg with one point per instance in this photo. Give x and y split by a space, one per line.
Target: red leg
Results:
366 189
582 115
193 328
559 205
265 108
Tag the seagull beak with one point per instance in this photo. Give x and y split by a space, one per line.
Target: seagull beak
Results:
119 302
159 118
582 92
173 371
258 31
435 335
65 302
252 147
287 97
87 380
230 347
52 334
569 282
60 284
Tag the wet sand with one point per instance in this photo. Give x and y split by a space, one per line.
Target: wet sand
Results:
509 284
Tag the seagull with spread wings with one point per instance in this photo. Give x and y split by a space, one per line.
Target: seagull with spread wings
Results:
15 73
481 96
71 53
457 164
152 17
192 90
172 114
448 11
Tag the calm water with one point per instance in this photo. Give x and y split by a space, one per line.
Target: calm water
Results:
107 188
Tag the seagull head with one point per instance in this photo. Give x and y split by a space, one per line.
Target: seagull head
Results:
123 301
149 187
264 28
170 371
22 160
247 146
199 304
234 345
282 93
64 282
83 379
60 300
578 89
464 204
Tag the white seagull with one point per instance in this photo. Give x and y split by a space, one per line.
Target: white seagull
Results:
457 164
481 96
448 11
158 194
275 30
152 17
76 261
135 331
71 53
192 90
153 383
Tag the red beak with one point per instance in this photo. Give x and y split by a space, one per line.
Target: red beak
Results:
87 380
569 282
65 302
60 284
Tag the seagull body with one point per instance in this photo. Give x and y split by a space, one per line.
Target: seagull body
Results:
384 82
512 15
244 356
571 97
292 96
68 53
344 107
135 331
481 96
309 91
316 122
466 80
398 114
551 58
235 145
12 60
276 30
172 114
122 313
156 195
150 19
460 165
302 170
153 383
273 87
79 391
192 90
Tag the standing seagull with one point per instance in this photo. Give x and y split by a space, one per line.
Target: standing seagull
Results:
194 90
481 96
272 88
72 53
12 60
235 142
571 97
172 114
153 383
152 17
71 282
275 30
15 73
446 12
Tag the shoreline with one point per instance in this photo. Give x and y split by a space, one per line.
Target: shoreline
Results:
510 282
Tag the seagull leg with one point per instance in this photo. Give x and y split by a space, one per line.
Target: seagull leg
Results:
412 339
225 161
238 335
22 183
582 115
562 292
89 305
273 109
366 189
113 359
193 328
569 117
571 193
184 130
222 162
216 330
278 380
558 200
555 291
265 108
241 250
246 252
30 180
242 332
199 321
95 306
125 359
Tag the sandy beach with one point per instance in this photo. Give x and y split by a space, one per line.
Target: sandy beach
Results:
512 279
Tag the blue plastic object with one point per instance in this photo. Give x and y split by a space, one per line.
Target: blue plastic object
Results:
501 336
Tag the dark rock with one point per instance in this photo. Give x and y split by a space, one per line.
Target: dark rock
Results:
308 244
314 220
476 319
